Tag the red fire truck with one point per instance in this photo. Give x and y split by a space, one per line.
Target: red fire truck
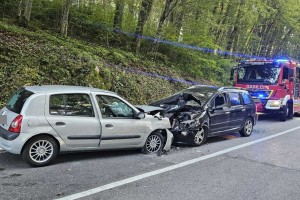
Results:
273 84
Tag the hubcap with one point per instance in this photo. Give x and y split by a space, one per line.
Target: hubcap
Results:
41 151
153 143
248 127
199 136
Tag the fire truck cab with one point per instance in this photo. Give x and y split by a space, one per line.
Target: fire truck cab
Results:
273 84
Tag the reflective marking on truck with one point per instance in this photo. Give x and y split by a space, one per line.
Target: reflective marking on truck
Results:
258 86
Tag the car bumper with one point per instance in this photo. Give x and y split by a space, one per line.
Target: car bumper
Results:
183 137
169 141
10 142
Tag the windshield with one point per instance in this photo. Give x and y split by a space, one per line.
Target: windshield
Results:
203 94
267 74
16 102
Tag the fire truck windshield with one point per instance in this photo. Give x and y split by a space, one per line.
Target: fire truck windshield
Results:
263 74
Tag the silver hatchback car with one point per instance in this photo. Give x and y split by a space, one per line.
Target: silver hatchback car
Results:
42 121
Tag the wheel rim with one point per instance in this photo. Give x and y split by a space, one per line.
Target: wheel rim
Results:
41 151
153 143
287 111
248 127
199 136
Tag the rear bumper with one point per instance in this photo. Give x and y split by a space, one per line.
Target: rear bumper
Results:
10 141
7 135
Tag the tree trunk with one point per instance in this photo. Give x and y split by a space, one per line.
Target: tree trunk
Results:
169 6
65 17
28 8
223 20
118 18
233 33
20 9
143 16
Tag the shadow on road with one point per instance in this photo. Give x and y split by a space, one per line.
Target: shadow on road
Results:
270 117
12 161
99 155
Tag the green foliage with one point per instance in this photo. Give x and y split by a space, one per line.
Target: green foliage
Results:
37 58
95 54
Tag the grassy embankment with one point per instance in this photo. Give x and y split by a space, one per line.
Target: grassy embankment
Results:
40 57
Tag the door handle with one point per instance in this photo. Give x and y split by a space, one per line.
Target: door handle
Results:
60 123
227 112
109 125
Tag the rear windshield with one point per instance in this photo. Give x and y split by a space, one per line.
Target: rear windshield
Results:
16 102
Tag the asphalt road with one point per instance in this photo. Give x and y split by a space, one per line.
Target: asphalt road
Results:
265 165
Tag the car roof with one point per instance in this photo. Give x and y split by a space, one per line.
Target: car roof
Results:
204 88
63 88
208 88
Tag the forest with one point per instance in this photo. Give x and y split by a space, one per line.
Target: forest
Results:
100 42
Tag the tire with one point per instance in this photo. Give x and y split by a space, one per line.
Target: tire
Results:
290 114
154 143
198 137
247 128
283 116
48 151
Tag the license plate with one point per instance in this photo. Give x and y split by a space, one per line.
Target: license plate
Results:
256 100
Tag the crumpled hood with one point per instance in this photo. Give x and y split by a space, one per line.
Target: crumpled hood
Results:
175 102
148 109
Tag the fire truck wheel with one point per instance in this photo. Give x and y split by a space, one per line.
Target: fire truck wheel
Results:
290 114
283 116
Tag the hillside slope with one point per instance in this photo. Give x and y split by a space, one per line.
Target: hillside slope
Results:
30 58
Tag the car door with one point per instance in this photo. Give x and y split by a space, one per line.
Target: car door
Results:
249 105
73 118
219 114
237 110
120 128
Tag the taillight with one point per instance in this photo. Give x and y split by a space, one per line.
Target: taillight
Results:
15 126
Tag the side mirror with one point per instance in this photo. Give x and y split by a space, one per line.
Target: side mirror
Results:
218 108
140 115
213 109
291 79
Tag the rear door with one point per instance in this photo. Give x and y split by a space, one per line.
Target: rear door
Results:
74 119
219 114
237 110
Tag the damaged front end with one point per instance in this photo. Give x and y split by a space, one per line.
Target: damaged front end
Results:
186 115
162 123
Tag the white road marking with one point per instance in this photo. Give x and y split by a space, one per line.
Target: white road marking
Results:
172 167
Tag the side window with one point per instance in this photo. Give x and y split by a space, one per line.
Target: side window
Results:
285 74
71 105
247 99
220 101
57 105
112 107
234 99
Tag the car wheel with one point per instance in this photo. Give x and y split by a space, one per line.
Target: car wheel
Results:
199 137
247 129
283 116
40 151
154 143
